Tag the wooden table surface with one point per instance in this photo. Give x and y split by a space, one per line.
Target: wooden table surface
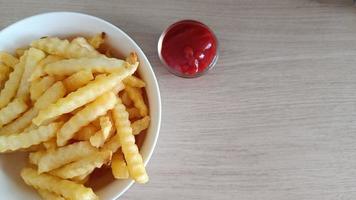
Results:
275 119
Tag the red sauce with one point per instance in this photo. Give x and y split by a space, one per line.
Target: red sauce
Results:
189 47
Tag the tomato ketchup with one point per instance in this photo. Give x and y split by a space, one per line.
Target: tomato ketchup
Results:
188 48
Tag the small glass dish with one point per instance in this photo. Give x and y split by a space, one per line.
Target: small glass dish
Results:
188 48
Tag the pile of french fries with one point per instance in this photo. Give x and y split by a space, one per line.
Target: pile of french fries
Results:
73 109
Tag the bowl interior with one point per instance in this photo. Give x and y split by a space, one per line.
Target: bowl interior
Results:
66 24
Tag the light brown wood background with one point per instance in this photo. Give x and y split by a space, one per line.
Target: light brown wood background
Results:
275 119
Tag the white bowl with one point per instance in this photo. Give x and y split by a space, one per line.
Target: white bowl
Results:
65 24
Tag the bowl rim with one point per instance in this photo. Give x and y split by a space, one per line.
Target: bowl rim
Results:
151 73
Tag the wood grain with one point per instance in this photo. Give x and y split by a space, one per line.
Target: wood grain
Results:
275 119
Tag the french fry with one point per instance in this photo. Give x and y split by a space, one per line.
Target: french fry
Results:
50 144
82 179
63 48
38 71
97 40
67 189
85 132
136 96
99 138
64 155
117 88
126 99
140 125
8 59
133 113
12 111
77 80
133 158
4 74
133 81
83 95
83 43
35 157
39 86
12 84
27 139
83 166
20 51
47 195
55 92
91 111
32 59
119 166
95 65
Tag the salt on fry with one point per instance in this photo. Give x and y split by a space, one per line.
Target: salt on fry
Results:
83 95
67 189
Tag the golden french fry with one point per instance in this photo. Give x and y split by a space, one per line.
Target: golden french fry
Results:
140 125
20 51
83 43
85 132
83 95
82 179
67 189
47 195
4 74
119 166
35 157
136 96
97 40
77 80
83 166
50 144
132 58
117 88
39 86
133 157
113 144
38 71
27 139
126 99
133 81
133 113
12 84
99 138
89 113
64 155
8 59
63 48
32 59
95 65
55 92
12 111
